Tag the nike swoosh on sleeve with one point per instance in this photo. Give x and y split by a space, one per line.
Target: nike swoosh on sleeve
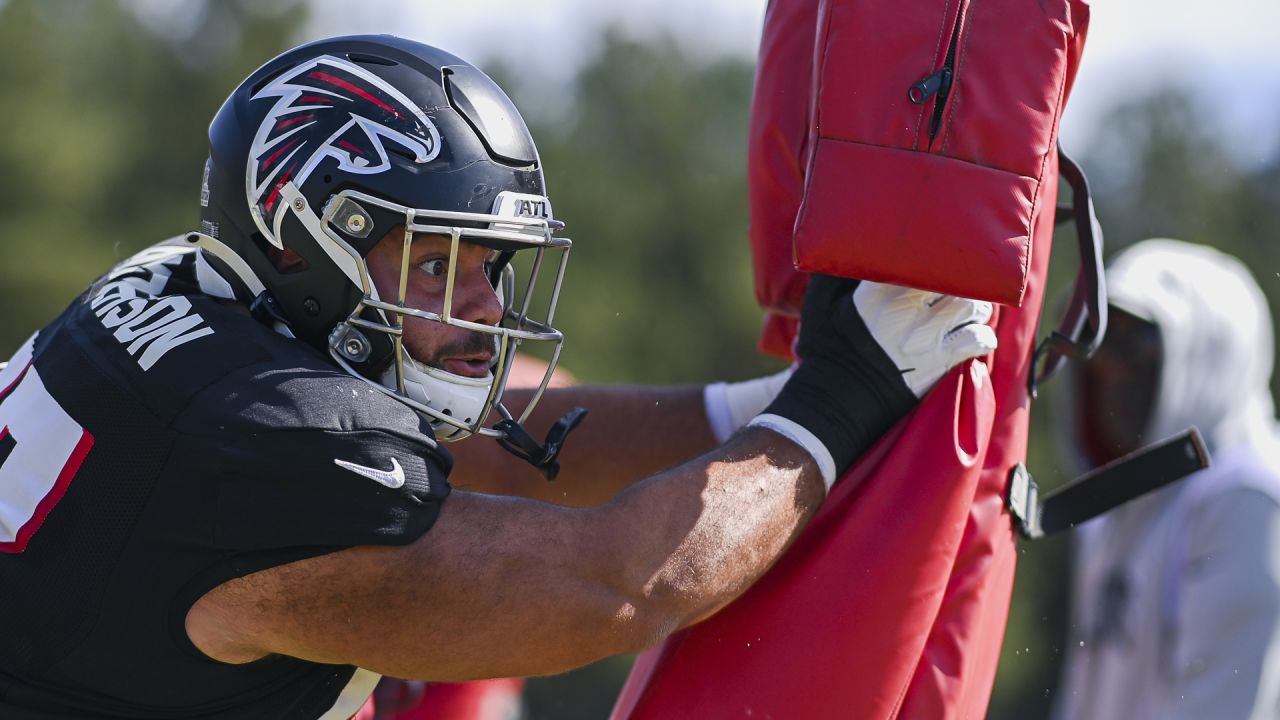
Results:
393 478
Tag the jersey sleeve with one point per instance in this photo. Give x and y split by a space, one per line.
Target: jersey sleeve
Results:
325 488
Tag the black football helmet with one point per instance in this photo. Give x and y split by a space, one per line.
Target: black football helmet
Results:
328 147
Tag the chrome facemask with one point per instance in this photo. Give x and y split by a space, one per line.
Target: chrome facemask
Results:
520 225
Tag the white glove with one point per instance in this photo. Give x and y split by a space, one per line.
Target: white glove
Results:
924 333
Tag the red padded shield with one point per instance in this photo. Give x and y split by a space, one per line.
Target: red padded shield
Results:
893 602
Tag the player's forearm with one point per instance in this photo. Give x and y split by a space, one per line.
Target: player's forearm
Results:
630 432
687 542
667 552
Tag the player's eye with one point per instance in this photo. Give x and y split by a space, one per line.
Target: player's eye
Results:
435 267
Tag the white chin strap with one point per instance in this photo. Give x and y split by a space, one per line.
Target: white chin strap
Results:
459 397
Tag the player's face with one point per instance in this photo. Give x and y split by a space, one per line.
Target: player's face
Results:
1117 388
451 349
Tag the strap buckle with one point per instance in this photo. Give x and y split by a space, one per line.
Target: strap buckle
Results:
1023 502
1112 485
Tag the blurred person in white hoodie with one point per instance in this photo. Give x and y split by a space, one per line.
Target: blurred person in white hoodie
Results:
1176 596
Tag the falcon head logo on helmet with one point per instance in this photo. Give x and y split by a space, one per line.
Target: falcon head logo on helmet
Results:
329 108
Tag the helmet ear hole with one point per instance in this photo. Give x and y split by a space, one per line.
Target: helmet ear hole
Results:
286 261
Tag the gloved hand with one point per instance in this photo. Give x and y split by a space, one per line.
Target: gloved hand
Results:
868 351
923 333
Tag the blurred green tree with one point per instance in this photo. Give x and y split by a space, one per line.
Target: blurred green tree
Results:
104 125
648 168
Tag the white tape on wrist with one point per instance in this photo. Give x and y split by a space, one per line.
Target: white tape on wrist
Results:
730 405
717 406
797 433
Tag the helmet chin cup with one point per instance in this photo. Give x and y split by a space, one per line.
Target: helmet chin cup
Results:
448 398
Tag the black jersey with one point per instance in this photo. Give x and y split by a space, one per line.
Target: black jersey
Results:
154 443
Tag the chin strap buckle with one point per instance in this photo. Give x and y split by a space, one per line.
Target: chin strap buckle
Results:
544 456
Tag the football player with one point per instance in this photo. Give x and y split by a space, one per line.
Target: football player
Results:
225 490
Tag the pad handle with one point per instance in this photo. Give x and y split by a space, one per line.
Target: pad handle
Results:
1085 322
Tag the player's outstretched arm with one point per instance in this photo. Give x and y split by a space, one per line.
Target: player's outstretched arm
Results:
508 586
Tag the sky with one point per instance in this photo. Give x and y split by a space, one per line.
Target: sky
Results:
1226 51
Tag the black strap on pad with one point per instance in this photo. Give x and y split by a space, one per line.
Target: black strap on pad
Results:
545 456
1132 476
1085 322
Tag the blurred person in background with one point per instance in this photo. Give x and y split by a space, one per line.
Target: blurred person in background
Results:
224 489
1175 607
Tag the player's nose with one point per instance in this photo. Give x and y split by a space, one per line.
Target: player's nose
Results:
475 300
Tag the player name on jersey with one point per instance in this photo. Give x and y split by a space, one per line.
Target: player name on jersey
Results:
147 326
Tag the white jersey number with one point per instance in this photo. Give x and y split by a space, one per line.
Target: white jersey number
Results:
41 449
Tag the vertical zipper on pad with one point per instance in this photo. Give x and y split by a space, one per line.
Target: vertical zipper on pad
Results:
939 82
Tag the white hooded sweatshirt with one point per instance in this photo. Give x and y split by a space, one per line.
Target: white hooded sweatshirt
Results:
1176 596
